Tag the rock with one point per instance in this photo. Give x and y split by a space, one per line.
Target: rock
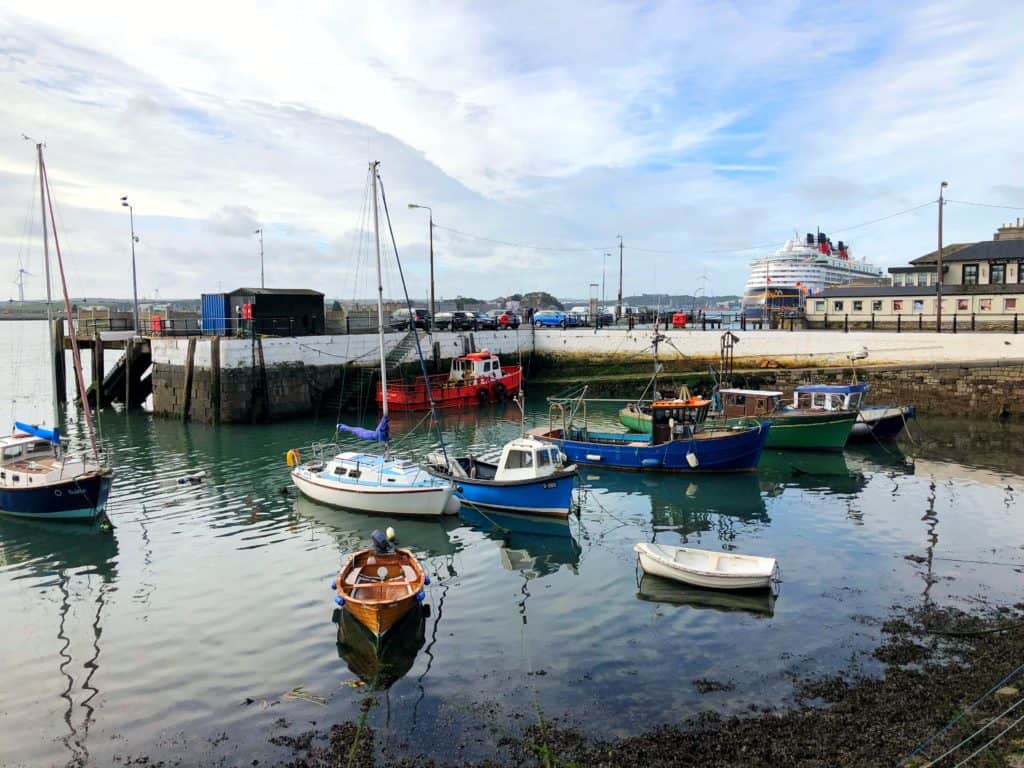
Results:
1008 691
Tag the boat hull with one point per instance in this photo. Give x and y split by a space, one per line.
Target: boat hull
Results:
379 499
733 450
655 565
549 496
881 422
81 498
380 604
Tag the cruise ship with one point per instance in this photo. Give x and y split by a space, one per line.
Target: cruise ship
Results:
779 282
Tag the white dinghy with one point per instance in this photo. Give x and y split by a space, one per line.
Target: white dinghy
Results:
706 568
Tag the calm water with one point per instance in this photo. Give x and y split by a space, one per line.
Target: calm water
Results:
207 603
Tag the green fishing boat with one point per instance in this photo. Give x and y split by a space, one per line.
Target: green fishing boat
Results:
799 426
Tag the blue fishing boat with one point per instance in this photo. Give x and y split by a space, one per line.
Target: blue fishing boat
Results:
680 441
530 477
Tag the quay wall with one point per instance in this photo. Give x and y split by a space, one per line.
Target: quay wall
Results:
976 374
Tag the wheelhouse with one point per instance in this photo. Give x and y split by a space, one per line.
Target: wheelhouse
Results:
749 402
829 397
476 365
527 458
675 418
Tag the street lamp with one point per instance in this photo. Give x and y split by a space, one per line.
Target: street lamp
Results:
618 310
260 233
938 265
135 239
430 213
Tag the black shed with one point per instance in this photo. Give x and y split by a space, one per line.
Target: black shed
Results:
277 311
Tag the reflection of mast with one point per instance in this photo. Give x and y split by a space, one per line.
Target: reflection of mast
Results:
70 740
932 522
428 651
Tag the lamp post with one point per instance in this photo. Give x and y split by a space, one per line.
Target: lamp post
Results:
938 265
618 309
430 214
260 233
135 239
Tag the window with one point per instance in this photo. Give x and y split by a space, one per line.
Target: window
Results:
970 274
897 280
1009 304
837 306
876 305
819 306
858 306
985 305
519 460
487 367
1020 271
897 305
997 274
919 305
962 305
543 458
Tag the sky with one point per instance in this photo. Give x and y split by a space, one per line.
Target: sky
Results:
703 133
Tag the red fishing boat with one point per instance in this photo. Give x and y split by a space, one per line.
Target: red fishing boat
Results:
475 379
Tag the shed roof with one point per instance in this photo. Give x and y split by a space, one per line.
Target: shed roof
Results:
275 291
986 250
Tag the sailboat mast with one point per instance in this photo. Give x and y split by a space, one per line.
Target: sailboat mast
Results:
380 295
49 299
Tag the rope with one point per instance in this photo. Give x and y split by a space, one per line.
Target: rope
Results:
983 728
990 742
959 717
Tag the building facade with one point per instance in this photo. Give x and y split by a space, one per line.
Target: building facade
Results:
982 285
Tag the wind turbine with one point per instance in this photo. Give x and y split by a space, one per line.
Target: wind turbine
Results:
20 281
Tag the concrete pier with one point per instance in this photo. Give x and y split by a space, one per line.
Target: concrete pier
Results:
223 379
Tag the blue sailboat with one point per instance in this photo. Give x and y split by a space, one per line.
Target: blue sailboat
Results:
680 441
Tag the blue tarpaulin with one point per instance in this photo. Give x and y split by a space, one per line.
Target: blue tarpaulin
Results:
53 435
381 434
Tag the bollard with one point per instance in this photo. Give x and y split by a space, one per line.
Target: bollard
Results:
826 321
954 322
846 323
899 323
972 321
872 321
920 322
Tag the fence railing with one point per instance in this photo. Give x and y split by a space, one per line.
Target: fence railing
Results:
956 322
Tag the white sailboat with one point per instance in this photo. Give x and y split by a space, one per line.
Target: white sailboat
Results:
38 478
374 482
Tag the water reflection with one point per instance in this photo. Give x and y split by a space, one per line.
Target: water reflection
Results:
534 546
381 663
68 557
655 589
826 472
352 530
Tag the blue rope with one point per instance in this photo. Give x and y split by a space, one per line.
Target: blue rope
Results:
959 717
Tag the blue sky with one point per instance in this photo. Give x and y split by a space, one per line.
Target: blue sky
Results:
694 129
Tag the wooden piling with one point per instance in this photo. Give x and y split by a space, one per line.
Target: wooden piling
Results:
129 371
190 359
97 368
215 377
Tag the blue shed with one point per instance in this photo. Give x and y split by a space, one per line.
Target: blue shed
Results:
216 313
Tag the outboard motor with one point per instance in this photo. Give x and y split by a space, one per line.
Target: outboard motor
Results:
382 543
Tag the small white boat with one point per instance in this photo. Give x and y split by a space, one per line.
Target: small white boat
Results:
706 568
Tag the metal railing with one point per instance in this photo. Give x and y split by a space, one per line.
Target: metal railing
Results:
956 322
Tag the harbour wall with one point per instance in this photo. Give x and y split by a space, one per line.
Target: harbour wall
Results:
225 379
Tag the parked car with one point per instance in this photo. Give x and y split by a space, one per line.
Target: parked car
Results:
455 321
504 318
552 318
400 319
484 321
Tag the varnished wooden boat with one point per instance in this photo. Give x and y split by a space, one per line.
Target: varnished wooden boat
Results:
379 588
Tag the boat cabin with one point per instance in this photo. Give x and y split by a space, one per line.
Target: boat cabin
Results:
749 402
476 365
677 418
527 458
829 397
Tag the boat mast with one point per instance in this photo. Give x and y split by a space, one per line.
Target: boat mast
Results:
380 303
49 298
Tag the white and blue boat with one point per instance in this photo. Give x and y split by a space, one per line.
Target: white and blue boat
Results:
880 422
531 478
680 441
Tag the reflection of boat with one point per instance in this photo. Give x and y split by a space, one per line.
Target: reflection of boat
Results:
381 662
379 586
825 471
353 530
48 548
534 546
658 590
706 568
529 477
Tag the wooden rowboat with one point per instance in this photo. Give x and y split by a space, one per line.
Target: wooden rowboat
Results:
379 588
705 568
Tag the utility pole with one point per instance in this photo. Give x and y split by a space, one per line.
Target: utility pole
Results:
938 265
430 215
260 233
618 309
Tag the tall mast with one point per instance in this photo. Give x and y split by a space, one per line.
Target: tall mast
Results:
49 300
380 295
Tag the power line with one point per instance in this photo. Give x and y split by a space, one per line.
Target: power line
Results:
986 205
885 218
518 245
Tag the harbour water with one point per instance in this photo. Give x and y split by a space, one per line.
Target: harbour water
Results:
181 632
